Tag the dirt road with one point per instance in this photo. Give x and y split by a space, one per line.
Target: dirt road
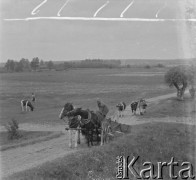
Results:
130 119
23 158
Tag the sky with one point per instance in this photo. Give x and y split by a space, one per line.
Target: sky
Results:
67 39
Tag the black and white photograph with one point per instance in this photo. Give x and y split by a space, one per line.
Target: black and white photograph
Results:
97 89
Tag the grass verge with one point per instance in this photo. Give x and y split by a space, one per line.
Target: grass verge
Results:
171 108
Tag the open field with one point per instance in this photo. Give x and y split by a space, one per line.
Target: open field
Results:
80 86
53 89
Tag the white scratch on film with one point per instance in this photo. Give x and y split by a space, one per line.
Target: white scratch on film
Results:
58 14
122 14
35 10
100 9
100 19
160 9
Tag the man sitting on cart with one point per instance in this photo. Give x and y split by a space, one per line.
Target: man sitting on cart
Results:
105 124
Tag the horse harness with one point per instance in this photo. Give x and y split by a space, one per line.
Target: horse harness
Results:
86 121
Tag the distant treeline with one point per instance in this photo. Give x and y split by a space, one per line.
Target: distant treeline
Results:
26 65
39 65
92 63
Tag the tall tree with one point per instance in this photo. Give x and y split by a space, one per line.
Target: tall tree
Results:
35 63
50 65
180 77
18 67
25 64
41 62
10 64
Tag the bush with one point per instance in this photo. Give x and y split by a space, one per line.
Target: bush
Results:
12 129
147 66
160 65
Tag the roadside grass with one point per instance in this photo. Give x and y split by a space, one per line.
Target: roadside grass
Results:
25 135
171 108
152 142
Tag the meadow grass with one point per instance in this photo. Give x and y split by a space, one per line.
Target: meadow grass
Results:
152 142
80 86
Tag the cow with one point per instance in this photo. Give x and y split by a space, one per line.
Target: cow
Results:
27 104
121 108
139 105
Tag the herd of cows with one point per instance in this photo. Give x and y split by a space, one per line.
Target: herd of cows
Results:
93 125
139 106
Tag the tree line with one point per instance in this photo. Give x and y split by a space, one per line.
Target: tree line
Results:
92 63
37 64
26 65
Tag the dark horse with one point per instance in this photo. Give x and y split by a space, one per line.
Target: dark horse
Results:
73 123
67 108
89 123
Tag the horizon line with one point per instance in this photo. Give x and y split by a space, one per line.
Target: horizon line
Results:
117 59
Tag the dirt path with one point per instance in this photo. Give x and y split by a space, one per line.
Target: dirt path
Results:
37 127
131 119
23 158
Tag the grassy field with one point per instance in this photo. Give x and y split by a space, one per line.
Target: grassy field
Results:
152 142
80 86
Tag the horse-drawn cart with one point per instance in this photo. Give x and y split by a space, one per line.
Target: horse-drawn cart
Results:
93 125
